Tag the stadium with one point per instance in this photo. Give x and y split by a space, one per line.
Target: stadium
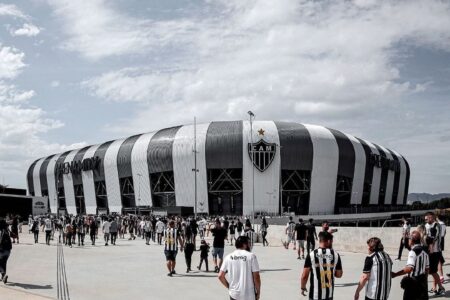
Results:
225 168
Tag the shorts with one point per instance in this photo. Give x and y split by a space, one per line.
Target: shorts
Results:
301 244
218 252
434 261
290 239
170 254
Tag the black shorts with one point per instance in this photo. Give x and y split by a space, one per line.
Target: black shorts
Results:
170 254
434 261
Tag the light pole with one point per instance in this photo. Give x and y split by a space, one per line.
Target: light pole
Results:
195 170
139 192
252 117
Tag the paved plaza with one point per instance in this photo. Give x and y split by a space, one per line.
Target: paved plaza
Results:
133 270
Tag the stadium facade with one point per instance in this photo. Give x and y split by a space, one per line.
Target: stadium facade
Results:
306 169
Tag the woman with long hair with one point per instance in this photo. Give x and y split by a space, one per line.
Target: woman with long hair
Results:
5 248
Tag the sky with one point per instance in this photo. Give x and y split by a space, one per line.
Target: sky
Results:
75 73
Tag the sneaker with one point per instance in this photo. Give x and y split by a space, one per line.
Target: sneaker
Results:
298 257
169 274
173 272
187 271
439 292
303 257
432 291
398 259
5 279
216 269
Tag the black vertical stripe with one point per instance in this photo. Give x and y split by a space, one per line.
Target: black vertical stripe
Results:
396 180
43 174
30 178
317 268
99 173
159 153
346 154
223 145
59 175
124 156
296 149
379 276
405 197
384 177
77 177
368 173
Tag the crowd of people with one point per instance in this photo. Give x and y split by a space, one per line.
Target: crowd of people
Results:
239 271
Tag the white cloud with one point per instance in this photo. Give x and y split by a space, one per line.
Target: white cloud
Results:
11 62
289 59
12 10
26 30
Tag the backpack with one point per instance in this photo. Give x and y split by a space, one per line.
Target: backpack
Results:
5 242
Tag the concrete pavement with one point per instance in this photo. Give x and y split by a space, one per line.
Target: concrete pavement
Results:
133 270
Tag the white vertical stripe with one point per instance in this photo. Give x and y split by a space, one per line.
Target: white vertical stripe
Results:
360 168
139 165
51 182
375 190
112 177
68 185
267 182
183 164
88 183
390 179
37 178
402 181
325 168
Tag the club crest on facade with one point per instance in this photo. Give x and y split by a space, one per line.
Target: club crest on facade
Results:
263 154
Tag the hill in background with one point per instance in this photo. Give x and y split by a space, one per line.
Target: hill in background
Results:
425 197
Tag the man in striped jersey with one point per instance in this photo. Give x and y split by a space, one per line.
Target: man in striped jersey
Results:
417 268
321 267
290 233
434 249
250 233
376 273
171 241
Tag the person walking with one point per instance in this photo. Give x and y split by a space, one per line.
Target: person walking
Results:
442 246
15 229
232 229
189 246
81 231
35 230
324 265
148 231
204 250
5 249
172 239
48 226
433 243
376 272
311 236
264 227
93 230
239 227
242 268
69 233
160 230
105 228
404 241
290 234
301 232
113 229
250 233
417 268
220 234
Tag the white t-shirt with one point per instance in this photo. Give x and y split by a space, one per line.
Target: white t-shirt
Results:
106 227
48 225
159 227
443 228
240 266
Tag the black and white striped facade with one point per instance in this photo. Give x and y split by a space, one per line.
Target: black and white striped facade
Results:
310 170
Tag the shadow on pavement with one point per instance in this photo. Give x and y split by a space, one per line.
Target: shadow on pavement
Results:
274 270
345 284
27 286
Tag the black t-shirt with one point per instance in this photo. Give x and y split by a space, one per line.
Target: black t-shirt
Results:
311 231
220 235
232 229
239 226
226 224
301 229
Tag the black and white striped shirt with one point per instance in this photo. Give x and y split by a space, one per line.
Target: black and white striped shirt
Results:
418 260
171 239
379 266
323 263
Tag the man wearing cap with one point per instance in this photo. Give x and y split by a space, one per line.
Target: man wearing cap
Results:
244 281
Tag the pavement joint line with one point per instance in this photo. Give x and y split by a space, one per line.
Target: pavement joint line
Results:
26 292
